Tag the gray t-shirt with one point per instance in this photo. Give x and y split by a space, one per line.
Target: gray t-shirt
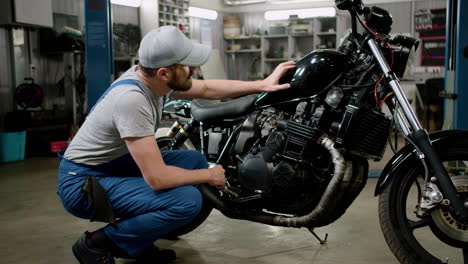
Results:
126 111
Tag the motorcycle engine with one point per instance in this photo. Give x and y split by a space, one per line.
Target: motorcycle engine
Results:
287 167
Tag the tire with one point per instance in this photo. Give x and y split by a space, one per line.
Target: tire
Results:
427 239
163 143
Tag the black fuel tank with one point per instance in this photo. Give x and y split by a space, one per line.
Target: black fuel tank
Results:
312 74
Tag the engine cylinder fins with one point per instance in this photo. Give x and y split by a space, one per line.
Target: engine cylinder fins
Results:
299 136
302 131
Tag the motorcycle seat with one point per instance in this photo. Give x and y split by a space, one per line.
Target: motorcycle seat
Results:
203 110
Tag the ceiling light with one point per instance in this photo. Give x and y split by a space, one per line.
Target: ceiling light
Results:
132 3
301 13
202 13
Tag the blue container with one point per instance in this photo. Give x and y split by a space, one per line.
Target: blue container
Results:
12 146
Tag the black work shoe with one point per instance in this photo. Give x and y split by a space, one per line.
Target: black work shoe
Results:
87 255
155 255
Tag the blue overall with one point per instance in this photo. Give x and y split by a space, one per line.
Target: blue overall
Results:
145 215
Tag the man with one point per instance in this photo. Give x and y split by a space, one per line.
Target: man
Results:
114 166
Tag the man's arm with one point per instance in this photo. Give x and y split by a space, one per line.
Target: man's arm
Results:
221 89
158 175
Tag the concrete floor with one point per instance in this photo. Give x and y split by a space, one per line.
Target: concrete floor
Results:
36 229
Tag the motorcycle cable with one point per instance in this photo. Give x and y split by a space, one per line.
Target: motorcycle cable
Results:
423 161
377 101
380 38
376 97
390 94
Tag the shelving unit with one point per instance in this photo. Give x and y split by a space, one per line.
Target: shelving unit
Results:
431 26
316 33
244 51
276 49
325 33
174 13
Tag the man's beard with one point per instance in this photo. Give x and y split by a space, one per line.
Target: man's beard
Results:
180 85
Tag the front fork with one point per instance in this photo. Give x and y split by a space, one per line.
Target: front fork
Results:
413 130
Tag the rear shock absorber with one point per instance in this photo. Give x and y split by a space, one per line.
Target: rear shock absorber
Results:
174 129
183 133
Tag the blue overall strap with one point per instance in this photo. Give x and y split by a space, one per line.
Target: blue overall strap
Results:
115 84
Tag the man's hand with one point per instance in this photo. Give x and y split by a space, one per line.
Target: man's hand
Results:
271 83
217 178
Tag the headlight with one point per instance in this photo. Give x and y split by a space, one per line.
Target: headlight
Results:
404 49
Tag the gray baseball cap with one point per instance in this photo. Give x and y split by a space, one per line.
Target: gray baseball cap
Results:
167 45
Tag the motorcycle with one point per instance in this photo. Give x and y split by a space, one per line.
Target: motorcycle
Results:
299 157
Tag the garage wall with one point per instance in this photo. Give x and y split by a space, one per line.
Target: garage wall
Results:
50 69
120 14
430 4
69 7
125 15
402 12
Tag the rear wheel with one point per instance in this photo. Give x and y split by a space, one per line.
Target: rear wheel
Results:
435 237
163 144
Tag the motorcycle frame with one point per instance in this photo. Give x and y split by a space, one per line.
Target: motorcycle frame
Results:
406 119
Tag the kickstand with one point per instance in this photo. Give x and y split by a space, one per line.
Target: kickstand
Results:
311 229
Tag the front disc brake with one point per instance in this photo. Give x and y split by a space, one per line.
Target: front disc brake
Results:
446 227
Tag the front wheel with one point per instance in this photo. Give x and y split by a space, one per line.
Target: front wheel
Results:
436 237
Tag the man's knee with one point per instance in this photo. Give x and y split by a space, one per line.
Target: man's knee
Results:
189 202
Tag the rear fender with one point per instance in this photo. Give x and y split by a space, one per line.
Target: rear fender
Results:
405 157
